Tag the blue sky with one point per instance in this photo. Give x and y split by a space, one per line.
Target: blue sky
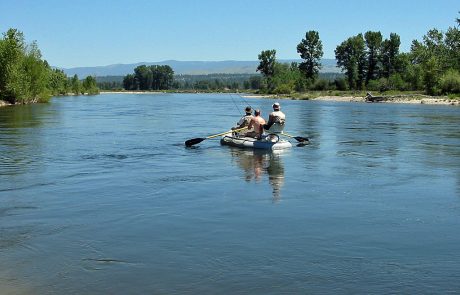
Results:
99 32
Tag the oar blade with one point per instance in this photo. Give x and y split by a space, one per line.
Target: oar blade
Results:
301 139
193 141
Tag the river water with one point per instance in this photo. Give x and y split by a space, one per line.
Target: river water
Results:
98 195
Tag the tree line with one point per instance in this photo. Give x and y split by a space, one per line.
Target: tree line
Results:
371 62
212 82
161 77
26 78
217 82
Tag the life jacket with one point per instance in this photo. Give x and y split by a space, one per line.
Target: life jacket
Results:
276 122
244 121
278 117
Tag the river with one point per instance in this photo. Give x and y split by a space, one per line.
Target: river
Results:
99 195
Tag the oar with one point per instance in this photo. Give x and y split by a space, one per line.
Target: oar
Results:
194 141
298 138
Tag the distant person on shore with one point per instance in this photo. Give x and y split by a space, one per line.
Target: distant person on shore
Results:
276 120
256 123
244 121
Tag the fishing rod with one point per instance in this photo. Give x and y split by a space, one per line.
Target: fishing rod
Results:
245 101
239 111
233 100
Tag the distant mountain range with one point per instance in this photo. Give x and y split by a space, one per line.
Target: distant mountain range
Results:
188 67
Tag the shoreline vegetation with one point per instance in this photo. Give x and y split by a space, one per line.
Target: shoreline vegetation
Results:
25 77
428 74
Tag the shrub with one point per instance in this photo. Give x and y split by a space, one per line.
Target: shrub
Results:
450 82
302 84
341 84
283 89
320 84
395 82
373 85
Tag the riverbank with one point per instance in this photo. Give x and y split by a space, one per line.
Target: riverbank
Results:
406 99
4 103
433 100
133 92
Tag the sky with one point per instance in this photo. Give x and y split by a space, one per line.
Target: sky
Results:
81 33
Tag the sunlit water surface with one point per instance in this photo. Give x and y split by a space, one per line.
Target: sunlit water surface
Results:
98 195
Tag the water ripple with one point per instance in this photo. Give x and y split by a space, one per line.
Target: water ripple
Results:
105 156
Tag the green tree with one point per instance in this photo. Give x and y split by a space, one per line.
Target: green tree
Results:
154 77
76 85
25 77
390 52
311 51
162 77
285 77
435 55
255 82
36 72
350 56
431 75
267 64
57 82
12 48
373 54
267 60
89 85
452 44
141 73
129 82
436 47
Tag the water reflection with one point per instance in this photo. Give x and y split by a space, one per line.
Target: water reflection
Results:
21 142
258 163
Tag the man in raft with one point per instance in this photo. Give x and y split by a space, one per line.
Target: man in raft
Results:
276 120
256 123
244 121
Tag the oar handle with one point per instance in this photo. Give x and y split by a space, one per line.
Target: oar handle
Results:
219 134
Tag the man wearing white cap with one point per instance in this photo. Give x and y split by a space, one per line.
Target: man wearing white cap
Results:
278 117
